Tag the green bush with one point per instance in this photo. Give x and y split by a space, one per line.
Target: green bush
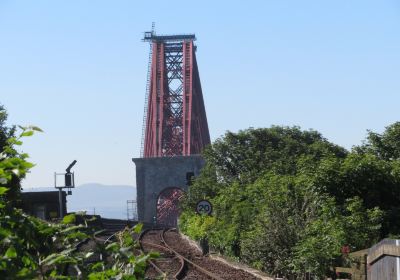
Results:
286 201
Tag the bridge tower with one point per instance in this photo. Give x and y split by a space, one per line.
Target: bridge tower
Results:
175 118
175 128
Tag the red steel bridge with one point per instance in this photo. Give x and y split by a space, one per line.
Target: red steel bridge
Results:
174 122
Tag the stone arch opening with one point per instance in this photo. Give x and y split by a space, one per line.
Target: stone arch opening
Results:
168 206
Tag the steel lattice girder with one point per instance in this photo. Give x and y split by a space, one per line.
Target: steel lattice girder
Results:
176 118
168 206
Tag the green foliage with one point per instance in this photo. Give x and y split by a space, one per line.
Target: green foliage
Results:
34 249
5 131
286 200
11 159
385 145
376 181
321 239
363 224
69 219
197 226
242 156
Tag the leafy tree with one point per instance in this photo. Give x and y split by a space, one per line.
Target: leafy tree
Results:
5 131
374 180
242 156
6 135
286 200
386 145
319 242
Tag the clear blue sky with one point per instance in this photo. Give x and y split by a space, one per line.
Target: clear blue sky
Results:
77 69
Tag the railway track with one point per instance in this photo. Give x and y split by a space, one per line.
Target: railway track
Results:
168 265
171 264
108 233
114 225
179 260
88 244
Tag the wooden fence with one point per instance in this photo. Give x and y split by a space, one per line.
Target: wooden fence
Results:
380 262
358 269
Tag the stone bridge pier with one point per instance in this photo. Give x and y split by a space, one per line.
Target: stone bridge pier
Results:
155 175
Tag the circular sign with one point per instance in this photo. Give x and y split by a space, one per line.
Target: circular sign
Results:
204 207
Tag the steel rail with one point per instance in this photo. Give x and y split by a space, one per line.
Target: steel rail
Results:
196 266
179 274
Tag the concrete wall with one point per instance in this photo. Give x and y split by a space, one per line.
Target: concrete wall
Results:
153 175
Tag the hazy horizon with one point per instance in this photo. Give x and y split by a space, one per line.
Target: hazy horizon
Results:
106 200
79 186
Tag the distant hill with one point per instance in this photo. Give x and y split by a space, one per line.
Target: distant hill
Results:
105 200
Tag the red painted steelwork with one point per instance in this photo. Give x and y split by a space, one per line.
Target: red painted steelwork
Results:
176 122
168 207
